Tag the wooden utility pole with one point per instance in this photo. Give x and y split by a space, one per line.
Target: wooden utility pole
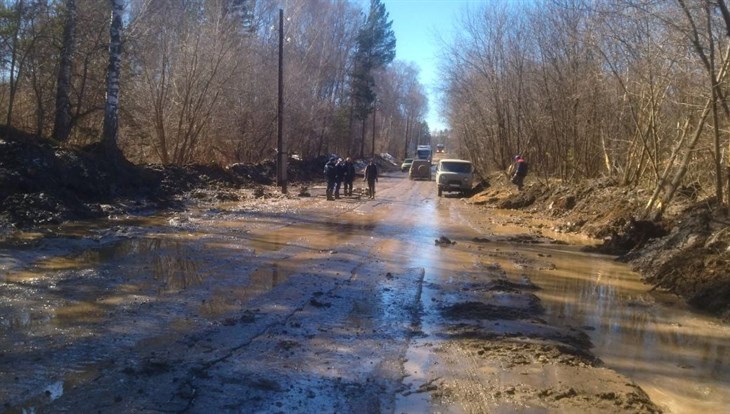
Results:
281 148
375 111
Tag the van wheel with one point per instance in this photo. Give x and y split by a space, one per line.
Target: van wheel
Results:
440 192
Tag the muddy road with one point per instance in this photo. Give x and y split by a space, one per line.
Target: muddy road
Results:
405 303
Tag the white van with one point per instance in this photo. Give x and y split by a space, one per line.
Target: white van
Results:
454 175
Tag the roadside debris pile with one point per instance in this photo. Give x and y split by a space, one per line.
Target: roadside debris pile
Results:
42 184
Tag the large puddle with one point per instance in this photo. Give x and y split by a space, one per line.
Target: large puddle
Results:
150 274
679 357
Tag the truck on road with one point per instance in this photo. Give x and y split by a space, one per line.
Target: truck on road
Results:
423 152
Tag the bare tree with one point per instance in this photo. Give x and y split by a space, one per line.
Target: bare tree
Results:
594 88
16 67
62 125
180 80
196 77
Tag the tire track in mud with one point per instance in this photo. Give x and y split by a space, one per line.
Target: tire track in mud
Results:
503 358
274 355
333 355
356 397
494 353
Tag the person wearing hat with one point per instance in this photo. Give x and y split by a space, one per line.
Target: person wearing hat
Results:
330 172
520 171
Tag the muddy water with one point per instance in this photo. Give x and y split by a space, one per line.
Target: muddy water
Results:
679 357
97 289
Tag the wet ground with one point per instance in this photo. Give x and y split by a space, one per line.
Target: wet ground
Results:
405 303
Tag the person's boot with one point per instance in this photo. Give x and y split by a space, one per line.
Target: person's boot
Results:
329 195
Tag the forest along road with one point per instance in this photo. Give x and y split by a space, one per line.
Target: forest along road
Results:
293 305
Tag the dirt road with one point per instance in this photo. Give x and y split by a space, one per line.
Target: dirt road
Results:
294 305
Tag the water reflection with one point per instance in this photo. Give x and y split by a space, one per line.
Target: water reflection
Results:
176 269
73 314
232 298
19 317
313 235
270 242
172 262
679 357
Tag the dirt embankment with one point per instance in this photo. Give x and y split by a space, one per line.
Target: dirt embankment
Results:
687 253
43 184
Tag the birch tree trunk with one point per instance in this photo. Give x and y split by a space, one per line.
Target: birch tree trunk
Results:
111 108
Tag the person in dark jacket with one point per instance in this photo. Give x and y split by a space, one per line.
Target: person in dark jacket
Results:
520 171
371 176
349 176
330 174
339 176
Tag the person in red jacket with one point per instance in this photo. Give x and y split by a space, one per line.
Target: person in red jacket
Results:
520 171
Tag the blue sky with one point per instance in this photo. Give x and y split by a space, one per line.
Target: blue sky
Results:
417 25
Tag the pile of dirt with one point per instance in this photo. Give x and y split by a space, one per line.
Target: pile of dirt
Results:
686 253
45 184
42 183
693 260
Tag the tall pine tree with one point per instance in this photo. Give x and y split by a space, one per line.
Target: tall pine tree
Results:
375 49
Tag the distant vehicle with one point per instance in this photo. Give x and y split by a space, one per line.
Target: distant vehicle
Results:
439 147
454 175
406 164
420 170
423 152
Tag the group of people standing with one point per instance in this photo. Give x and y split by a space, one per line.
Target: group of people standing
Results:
339 171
